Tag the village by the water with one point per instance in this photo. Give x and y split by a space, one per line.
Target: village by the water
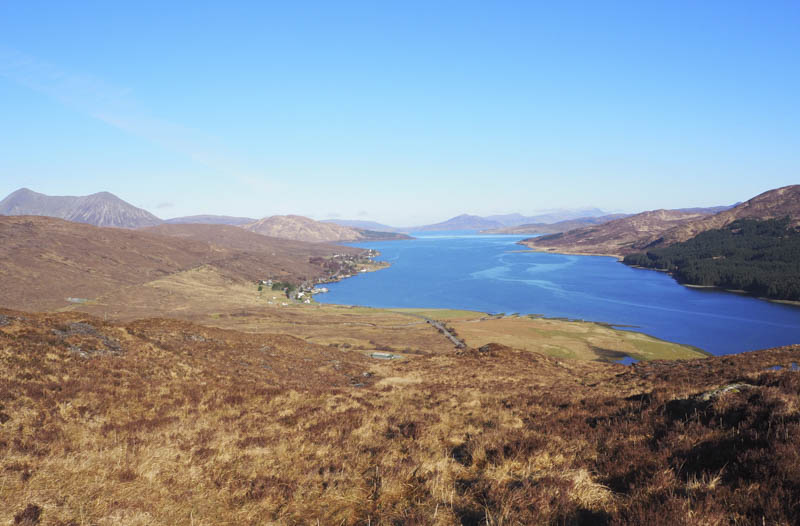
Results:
338 267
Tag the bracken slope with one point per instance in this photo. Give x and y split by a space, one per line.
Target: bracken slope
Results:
164 422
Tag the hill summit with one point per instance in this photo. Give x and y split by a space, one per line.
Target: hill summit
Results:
772 204
661 228
462 222
100 209
302 228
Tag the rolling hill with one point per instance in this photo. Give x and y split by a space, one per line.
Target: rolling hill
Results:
44 261
753 247
773 204
301 228
661 228
255 256
100 209
620 236
228 237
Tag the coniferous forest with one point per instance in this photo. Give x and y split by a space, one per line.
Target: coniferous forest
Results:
759 257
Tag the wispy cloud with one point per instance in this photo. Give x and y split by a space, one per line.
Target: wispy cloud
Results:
117 107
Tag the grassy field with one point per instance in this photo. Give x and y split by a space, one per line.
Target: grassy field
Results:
563 339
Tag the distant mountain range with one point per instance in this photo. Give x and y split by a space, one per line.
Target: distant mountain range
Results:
100 209
658 228
475 222
492 222
462 222
583 230
554 228
549 217
107 210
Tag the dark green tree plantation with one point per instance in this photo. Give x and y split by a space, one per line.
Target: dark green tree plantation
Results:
759 257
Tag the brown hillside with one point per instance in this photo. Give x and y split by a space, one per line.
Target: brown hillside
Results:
665 227
252 256
615 238
777 203
302 229
164 422
44 261
226 237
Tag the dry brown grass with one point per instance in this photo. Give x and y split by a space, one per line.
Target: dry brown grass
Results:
165 422
207 296
580 340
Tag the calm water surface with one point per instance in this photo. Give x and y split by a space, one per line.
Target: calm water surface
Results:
490 274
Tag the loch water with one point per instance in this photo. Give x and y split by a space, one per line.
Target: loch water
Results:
494 274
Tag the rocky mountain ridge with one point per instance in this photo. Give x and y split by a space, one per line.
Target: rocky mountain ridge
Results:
100 209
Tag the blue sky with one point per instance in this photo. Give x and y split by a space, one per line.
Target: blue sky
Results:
400 112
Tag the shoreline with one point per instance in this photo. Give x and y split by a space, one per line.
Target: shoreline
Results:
371 266
733 291
476 316
567 252
484 316
689 285
611 325
719 289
